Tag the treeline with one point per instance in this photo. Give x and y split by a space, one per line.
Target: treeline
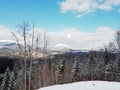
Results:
64 68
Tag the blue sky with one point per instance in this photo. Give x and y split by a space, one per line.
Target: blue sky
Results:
48 15
74 23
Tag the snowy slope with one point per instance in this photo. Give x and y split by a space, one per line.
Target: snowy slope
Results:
88 85
62 47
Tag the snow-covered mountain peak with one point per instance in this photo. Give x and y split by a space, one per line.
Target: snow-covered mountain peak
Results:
61 46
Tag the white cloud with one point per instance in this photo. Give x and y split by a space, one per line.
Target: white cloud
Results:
105 7
81 7
80 40
5 33
71 37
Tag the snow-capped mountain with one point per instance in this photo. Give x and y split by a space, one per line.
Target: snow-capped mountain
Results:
11 46
60 48
4 43
8 46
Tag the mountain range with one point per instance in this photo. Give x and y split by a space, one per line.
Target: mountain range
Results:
10 46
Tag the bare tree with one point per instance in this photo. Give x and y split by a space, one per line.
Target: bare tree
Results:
117 39
24 27
45 42
31 55
18 43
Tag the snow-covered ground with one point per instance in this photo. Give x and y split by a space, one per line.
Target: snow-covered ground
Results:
88 85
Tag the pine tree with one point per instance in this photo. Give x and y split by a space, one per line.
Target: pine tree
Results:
6 83
109 73
91 65
106 56
12 81
17 77
61 70
76 71
108 65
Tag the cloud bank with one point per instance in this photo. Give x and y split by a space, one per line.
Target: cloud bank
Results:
82 7
72 37
81 40
5 33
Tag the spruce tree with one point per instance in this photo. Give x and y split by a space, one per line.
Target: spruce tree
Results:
76 71
91 65
61 70
6 83
107 64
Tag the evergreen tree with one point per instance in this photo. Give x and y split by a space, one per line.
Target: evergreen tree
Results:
76 71
61 70
6 83
12 81
17 77
91 65
108 66
109 72
106 56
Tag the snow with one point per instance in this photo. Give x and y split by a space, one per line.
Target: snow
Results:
7 43
88 85
62 46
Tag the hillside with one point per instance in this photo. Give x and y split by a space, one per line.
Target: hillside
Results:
88 85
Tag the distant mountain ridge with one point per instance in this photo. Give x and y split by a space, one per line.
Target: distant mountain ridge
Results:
7 43
10 46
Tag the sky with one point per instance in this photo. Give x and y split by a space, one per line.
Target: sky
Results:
81 22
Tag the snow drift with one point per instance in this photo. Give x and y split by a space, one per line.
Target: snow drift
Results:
88 85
